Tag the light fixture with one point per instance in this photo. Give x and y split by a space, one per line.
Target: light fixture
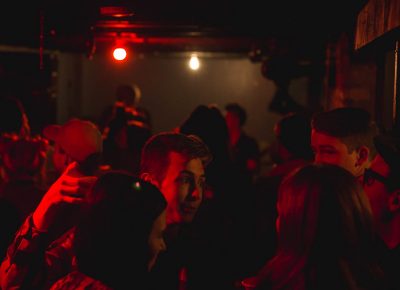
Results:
119 50
194 62
119 53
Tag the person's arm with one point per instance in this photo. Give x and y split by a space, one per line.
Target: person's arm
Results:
25 251
29 260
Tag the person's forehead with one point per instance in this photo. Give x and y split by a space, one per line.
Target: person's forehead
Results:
320 138
195 166
180 162
177 158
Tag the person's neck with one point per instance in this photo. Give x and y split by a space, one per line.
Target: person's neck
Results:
234 136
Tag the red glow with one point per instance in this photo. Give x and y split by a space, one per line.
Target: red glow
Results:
119 53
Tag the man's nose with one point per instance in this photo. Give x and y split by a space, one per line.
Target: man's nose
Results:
318 159
197 192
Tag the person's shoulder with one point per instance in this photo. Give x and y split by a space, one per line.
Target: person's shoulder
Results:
78 280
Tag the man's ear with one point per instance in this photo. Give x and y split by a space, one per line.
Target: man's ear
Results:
363 155
394 201
149 178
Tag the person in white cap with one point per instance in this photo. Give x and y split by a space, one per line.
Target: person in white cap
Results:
78 148
76 140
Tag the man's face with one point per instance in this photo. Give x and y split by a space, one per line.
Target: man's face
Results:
331 150
232 121
183 188
377 192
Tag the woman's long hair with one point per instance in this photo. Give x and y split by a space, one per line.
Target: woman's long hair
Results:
111 239
325 233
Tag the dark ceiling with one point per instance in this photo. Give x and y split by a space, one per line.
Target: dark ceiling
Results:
177 25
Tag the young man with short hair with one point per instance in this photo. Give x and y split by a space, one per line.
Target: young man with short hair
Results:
175 163
344 137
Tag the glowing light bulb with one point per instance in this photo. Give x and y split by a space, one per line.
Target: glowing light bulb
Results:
194 62
119 53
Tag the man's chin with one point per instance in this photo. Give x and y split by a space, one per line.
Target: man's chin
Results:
187 218
184 218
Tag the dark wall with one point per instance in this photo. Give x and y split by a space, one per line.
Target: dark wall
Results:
170 91
30 78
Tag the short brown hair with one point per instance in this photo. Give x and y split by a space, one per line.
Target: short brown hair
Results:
353 126
155 153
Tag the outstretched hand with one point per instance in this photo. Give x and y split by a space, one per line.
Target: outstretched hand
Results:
70 188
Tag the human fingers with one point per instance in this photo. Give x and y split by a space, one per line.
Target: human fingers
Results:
78 181
77 187
70 199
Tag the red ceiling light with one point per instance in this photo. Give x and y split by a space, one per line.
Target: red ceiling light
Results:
119 53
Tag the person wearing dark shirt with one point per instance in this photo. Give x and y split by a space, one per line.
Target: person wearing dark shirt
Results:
245 150
175 163
290 149
125 128
326 237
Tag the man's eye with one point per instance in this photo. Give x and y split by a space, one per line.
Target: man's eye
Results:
203 184
327 152
184 179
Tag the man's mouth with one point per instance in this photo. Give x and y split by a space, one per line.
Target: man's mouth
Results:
188 209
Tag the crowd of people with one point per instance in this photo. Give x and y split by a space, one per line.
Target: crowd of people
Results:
113 205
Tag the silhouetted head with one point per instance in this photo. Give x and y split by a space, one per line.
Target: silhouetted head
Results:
129 95
120 235
238 111
293 131
209 124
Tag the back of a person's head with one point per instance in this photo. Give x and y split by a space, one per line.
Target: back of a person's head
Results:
353 126
238 110
126 94
115 228
22 158
294 132
323 196
156 150
209 124
325 225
